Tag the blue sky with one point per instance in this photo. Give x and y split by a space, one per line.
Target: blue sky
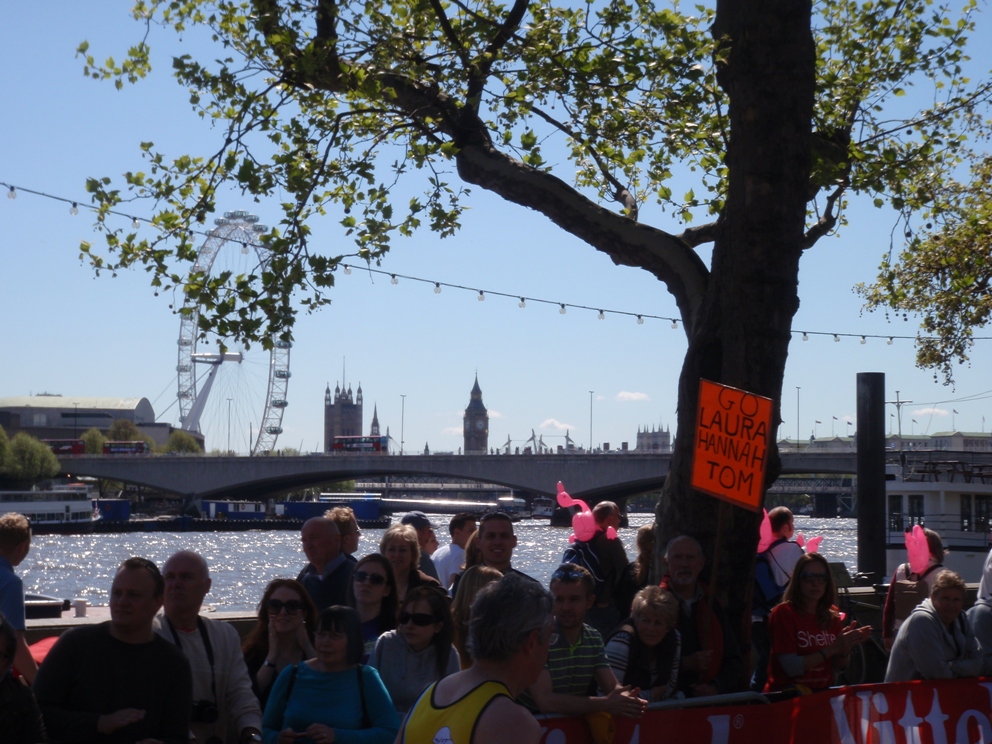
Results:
66 331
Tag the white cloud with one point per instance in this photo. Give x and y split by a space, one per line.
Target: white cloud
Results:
452 430
494 414
931 411
625 395
555 424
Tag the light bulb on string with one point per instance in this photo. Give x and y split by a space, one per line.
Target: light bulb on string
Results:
602 315
805 336
522 303
437 288
135 223
863 340
889 342
482 296
12 194
393 279
244 249
74 209
347 269
675 324
640 320
836 339
561 308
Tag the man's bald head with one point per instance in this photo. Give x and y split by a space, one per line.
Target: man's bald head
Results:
187 581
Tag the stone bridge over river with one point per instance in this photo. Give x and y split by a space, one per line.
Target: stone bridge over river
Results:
590 477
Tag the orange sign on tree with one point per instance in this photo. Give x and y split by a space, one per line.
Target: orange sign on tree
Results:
731 452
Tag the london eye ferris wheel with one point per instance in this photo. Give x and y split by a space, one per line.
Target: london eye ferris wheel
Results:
235 238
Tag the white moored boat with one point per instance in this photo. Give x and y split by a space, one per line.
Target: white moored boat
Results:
58 510
952 497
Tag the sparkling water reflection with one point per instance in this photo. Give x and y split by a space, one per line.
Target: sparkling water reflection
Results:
242 563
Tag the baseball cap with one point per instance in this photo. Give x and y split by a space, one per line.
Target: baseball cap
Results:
417 520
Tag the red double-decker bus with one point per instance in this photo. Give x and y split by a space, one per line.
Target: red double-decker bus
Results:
66 446
366 445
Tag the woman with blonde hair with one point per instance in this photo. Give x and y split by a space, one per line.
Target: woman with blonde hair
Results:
401 548
471 582
644 650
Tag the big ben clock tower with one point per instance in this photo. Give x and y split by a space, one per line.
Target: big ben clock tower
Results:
476 423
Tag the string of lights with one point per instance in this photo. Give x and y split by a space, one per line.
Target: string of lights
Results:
480 293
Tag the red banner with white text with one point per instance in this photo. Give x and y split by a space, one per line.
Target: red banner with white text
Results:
930 712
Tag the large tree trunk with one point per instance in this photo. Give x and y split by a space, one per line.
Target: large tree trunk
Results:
742 331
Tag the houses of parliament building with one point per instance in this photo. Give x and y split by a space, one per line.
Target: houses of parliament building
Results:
343 417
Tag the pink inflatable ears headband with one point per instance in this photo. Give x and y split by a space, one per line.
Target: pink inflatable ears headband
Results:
583 523
917 549
766 537
810 547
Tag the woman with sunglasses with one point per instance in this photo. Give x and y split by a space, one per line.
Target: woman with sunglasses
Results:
331 697
372 591
282 636
809 642
401 548
419 652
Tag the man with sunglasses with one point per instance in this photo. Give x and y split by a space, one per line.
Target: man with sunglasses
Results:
577 664
223 701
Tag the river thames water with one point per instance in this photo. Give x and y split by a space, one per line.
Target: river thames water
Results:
242 563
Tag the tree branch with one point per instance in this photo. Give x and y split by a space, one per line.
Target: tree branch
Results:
620 192
827 221
477 80
693 236
627 243
449 32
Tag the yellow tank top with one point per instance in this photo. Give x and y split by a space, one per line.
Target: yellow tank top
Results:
450 724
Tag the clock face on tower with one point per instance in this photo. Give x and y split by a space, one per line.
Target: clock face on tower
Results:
480 424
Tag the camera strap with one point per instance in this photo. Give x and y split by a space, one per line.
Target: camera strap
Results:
207 648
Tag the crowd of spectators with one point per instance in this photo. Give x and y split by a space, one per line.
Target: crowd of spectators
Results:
372 649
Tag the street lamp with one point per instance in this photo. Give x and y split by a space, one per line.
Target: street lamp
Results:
797 416
402 420
591 445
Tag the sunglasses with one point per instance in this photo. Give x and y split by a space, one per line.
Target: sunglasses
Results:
292 607
417 618
567 574
811 576
374 579
494 515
